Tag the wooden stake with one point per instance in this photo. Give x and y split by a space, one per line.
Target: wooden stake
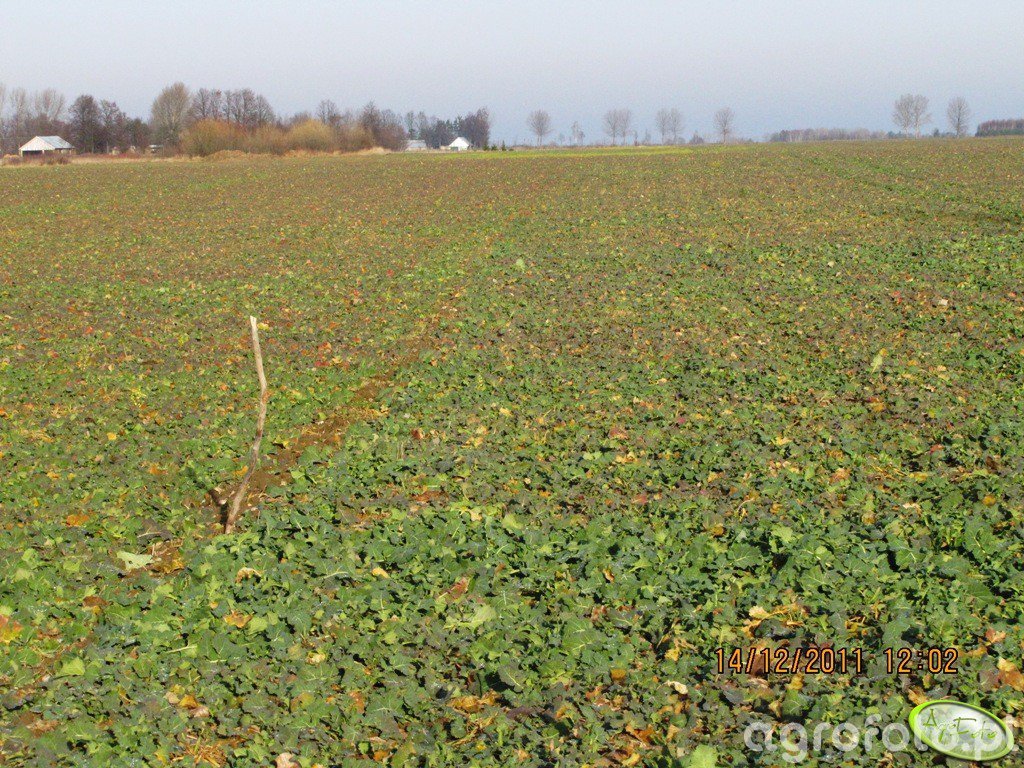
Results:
254 453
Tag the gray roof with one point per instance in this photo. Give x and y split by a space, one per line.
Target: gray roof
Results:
57 142
46 142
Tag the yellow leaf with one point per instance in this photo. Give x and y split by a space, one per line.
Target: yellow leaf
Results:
917 696
237 619
471 704
9 630
1010 675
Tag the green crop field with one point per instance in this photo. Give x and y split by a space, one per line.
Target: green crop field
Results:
545 431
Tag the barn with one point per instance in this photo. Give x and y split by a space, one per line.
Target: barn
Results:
460 145
46 145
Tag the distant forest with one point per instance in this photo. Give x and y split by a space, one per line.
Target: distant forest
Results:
1001 128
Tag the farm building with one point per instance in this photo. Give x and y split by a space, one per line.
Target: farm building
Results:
46 145
460 145
415 145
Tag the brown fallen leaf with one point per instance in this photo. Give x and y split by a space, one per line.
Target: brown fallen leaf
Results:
992 636
1010 675
358 700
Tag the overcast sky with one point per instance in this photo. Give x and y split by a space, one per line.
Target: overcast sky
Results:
777 63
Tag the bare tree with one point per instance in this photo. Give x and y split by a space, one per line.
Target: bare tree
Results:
625 124
86 123
670 125
247 109
539 123
617 123
115 126
262 112
959 116
725 119
577 133
208 104
21 115
169 113
384 126
137 133
49 105
237 105
327 113
611 125
911 112
476 127
3 122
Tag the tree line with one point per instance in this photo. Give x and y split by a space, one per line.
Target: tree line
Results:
212 120
619 126
910 116
435 132
1001 128
209 120
91 125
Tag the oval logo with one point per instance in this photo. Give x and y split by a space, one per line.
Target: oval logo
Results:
961 730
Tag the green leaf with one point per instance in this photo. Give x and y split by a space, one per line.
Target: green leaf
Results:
72 668
483 614
133 562
877 360
704 756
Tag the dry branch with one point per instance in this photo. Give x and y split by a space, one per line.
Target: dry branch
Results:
254 453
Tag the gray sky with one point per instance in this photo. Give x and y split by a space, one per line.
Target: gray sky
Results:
777 63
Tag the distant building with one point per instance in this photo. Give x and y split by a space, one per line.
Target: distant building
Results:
416 145
460 145
46 145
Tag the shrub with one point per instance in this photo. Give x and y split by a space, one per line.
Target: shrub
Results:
209 136
352 138
312 136
267 139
